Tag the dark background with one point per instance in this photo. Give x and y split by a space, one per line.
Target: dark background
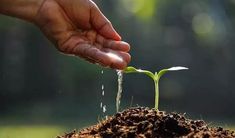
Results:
39 85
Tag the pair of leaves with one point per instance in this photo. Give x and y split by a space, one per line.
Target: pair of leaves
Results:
155 76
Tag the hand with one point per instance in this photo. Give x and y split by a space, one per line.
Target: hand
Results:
79 28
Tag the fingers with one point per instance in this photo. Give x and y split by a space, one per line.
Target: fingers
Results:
103 57
117 45
105 52
112 44
117 56
102 24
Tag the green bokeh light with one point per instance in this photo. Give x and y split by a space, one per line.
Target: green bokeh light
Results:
142 9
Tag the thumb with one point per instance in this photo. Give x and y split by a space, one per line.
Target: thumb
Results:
102 24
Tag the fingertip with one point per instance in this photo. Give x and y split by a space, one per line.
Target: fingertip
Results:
121 64
125 56
116 45
125 46
103 25
109 32
117 37
128 59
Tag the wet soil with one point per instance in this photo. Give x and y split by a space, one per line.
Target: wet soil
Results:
148 123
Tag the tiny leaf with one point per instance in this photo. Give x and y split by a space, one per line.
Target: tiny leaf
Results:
177 68
162 72
131 69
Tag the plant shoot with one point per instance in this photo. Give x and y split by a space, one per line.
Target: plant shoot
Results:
155 77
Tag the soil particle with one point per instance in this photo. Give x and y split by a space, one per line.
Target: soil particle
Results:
143 122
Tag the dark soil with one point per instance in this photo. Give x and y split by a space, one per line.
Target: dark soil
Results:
148 123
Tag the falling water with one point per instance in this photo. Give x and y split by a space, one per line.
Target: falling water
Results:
116 57
104 109
102 90
119 93
102 106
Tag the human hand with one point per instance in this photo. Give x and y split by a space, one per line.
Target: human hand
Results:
79 28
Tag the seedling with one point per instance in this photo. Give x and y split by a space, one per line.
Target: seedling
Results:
155 76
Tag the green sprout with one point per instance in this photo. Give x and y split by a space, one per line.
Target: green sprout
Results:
155 76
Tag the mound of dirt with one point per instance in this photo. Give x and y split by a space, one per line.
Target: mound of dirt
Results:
148 123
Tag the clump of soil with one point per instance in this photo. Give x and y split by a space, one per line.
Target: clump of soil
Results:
148 123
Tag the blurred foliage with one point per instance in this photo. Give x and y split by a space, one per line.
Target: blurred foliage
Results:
38 84
30 131
144 10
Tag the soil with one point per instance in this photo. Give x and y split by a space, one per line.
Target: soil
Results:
143 122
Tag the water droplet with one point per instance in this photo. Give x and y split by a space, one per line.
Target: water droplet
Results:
102 87
102 93
104 109
101 104
102 72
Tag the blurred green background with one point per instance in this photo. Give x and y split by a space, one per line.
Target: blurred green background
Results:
44 93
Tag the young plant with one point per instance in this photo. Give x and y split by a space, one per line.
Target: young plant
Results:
155 76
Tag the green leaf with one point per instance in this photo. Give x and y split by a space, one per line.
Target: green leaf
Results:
131 69
162 72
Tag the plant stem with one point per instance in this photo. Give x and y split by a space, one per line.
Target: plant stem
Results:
156 94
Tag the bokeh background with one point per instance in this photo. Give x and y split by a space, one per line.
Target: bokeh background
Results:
44 93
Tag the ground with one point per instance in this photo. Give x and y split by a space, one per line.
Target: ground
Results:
148 123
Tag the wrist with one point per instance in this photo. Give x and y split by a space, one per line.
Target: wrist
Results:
23 9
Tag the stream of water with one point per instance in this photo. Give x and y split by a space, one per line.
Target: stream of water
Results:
119 93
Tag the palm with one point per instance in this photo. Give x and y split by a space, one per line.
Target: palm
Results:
82 31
